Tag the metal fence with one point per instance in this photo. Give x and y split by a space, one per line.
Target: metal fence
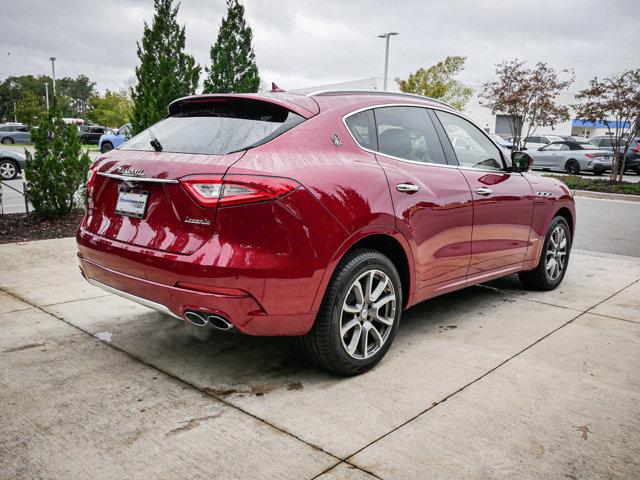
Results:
13 198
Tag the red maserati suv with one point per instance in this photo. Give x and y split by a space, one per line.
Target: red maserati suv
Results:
321 216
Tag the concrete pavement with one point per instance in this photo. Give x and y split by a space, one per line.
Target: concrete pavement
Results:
490 382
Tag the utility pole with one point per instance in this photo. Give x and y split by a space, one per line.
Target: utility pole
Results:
386 55
46 93
53 71
15 114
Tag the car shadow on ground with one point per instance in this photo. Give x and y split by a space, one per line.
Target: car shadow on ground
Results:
223 363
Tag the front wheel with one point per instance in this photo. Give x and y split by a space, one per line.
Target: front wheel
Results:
8 169
554 258
359 315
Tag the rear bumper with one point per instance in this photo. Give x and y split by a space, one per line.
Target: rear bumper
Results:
243 312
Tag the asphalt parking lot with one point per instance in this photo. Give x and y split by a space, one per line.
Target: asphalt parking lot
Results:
490 382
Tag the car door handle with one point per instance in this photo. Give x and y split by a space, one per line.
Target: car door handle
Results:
484 191
407 187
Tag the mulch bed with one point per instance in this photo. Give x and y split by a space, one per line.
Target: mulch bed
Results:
23 227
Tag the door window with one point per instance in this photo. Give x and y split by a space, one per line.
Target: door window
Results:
472 147
553 147
408 133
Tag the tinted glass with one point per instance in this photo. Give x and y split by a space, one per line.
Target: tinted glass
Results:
217 128
362 127
472 147
408 133
554 147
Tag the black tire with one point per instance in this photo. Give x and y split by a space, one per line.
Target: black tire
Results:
8 169
539 278
572 167
106 147
324 345
637 170
599 170
7 141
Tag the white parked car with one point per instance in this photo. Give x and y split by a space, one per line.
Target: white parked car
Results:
533 142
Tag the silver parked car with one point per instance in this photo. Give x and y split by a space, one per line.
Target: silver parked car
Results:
11 164
572 157
11 133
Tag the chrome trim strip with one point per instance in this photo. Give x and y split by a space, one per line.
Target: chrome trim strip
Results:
142 301
441 165
137 179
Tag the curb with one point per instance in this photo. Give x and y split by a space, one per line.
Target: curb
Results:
606 196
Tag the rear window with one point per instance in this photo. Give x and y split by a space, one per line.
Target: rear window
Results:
216 127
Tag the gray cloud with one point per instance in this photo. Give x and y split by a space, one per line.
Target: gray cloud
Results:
301 44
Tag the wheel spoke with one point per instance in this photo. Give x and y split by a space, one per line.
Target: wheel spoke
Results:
550 266
382 284
349 325
364 340
355 340
375 335
368 286
383 301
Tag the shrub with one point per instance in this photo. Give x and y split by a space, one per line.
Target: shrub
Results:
57 171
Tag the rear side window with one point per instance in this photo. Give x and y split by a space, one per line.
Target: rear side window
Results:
408 133
363 128
216 127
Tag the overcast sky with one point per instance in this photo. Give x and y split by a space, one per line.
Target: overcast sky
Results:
302 44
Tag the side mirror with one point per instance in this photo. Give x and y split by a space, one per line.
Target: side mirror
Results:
522 162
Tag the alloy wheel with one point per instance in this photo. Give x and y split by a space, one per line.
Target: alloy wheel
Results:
556 256
7 170
368 313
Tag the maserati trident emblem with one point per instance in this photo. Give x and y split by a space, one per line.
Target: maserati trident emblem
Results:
335 139
131 172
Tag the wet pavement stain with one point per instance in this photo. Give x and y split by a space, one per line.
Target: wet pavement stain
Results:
191 424
295 386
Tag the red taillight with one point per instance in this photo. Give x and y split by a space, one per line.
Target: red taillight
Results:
210 191
637 149
594 155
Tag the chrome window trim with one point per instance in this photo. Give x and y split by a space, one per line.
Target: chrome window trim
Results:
137 179
461 167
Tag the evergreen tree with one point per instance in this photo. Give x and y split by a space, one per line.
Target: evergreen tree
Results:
233 64
57 170
165 72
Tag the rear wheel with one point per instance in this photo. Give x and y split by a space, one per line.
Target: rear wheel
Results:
572 167
8 169
7 141
553 259
106 146
598 170
359 315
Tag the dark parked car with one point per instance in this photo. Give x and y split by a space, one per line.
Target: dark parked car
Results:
632 164
90 133
11 133
320 216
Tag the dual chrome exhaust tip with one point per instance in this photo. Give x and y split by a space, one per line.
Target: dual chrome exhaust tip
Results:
202 319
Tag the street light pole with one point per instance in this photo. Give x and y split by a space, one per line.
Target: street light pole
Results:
53 71
46 93
386 55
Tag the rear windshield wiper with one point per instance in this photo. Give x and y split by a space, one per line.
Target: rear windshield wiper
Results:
154 141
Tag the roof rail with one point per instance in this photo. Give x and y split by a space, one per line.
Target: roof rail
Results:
377 92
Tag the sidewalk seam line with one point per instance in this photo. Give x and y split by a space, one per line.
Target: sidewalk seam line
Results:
488 372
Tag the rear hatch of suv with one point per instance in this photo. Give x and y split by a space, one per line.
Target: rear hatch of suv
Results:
159 190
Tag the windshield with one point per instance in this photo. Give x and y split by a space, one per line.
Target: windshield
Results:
216 128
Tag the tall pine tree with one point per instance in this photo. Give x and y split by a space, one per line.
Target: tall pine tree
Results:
165 72
233 63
